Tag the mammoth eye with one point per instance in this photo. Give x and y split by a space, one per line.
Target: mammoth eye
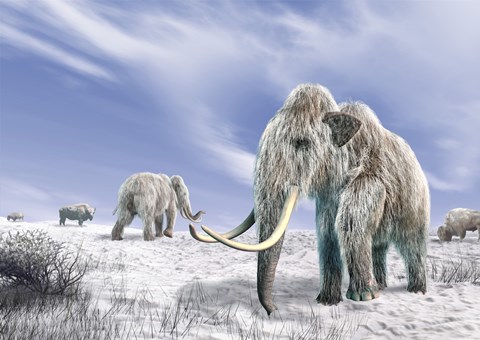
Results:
301 143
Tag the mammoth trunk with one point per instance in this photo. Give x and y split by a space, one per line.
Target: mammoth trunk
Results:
186 212
267 212
183 202
267 265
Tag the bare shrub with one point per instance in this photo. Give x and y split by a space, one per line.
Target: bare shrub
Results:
33 260
451 271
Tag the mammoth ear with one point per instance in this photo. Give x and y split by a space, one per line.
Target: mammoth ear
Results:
343 126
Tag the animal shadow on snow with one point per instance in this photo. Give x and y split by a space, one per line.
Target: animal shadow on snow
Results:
242 293
70 225
456 240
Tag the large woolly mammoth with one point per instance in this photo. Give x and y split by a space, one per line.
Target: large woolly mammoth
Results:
151 196
457 222
368 187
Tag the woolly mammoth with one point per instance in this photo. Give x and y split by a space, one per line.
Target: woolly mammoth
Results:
14 216
457 222
151 196
79 211
368 187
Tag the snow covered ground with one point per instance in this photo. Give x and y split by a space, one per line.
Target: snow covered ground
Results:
218 288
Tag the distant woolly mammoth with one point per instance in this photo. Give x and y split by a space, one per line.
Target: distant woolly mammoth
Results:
151 196
14 216
79 211
457 222
369 189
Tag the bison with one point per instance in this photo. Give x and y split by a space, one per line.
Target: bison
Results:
80 212
457 222
15 216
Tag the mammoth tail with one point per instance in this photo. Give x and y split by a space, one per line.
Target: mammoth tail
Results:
115 210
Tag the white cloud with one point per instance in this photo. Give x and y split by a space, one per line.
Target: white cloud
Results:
84 23
216 138
439 184
24 41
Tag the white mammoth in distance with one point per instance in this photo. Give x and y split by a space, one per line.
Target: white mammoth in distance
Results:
151 196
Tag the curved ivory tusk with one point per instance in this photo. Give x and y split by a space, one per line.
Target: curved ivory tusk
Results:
243 227
276 235
182 213
197 217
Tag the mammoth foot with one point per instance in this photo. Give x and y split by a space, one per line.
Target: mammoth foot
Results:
369 293
148 238
117 238
329 299
417 289
382 284
168 233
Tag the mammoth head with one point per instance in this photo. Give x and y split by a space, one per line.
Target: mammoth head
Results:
183 201
444 234
300 142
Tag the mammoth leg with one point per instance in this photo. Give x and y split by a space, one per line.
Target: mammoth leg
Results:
330 259
159 226
379 253
148 221
124 219
171 216
358 219
413 249
80 222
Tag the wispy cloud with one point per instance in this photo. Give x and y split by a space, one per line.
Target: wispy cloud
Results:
216 138
25 41
17 189
21 190
457 141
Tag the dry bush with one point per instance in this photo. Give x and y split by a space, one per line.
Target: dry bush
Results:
33 260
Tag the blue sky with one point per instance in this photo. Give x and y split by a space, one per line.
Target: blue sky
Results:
94 91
